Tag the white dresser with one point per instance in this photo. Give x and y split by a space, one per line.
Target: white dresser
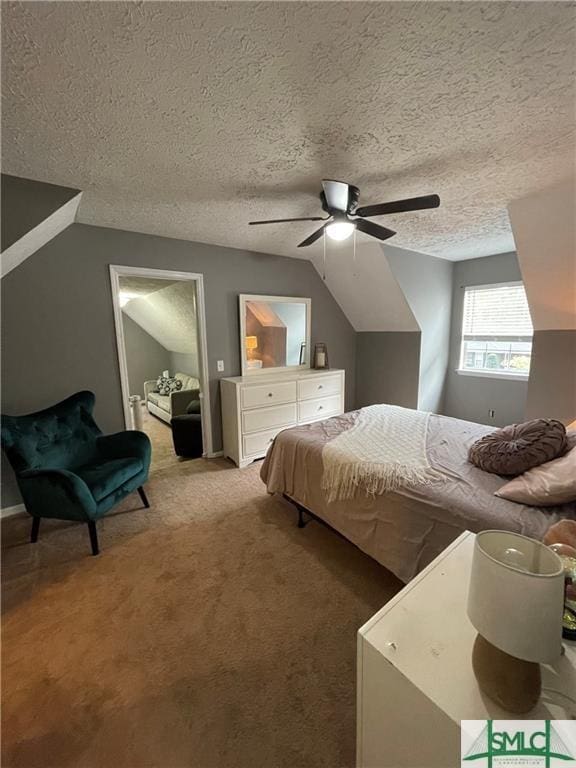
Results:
255 408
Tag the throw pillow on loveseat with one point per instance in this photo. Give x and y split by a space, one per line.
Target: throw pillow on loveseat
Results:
167 384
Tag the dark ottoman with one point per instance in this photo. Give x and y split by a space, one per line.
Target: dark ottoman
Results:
187 435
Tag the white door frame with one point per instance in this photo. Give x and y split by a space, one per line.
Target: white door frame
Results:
117 271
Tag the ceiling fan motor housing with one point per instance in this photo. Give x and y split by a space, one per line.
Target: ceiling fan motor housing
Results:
352 202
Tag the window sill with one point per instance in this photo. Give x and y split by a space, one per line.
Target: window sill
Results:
487 375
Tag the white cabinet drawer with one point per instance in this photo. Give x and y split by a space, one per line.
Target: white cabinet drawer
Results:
319 409
257 443
257 395
320 386
267 418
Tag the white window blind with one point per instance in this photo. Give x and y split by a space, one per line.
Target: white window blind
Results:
496 330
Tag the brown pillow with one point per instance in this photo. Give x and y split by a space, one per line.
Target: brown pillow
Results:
517 448
551 483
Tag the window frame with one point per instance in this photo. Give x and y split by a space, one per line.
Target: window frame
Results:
482 373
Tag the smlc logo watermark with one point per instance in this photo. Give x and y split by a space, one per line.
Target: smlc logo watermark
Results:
518 743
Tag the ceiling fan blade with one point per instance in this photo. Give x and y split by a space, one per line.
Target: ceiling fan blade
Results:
312 238
399 206
337 194
375 230
281 221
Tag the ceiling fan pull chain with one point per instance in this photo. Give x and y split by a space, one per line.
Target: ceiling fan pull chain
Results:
324 258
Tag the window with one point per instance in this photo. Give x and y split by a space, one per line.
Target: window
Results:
496 331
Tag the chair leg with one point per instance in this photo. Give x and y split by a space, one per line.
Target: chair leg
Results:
35 529
93 537
144 497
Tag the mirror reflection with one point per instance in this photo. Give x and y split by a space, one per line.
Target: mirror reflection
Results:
275 334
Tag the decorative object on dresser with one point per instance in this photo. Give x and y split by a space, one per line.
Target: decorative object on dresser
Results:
415 676
515 602
320 356
255 409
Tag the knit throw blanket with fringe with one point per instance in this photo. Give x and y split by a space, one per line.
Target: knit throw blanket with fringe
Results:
384 450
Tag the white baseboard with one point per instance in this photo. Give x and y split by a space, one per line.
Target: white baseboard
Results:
215 455
17 509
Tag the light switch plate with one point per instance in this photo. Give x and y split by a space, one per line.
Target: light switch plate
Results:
220 365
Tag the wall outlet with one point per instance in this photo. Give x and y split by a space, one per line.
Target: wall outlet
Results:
220 365
491 413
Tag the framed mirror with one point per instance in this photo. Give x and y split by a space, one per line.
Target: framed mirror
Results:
274 333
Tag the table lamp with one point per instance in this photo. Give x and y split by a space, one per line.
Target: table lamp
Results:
251 345
515 602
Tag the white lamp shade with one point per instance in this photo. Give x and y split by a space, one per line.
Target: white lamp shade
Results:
516 595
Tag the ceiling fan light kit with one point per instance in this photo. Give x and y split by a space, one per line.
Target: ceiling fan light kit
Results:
339 230
340 201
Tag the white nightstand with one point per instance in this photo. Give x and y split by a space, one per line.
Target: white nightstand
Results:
415 678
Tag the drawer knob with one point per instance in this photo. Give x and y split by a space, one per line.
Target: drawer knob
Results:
269 394
320 386
320 407
271 440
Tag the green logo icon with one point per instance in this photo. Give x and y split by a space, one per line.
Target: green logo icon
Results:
545 744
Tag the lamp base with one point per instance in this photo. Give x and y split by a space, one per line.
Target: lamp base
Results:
514 684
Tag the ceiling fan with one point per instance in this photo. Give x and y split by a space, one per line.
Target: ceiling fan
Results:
340 201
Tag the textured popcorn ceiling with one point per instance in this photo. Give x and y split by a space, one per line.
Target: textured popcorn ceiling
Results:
168 314
143 286
188 119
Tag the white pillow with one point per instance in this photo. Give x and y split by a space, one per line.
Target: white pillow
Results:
545 486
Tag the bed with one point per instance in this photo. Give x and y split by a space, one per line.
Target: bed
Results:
406 529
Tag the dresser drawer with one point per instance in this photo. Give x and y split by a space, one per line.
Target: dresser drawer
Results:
319 409
257 443
257 395
320 386
267 418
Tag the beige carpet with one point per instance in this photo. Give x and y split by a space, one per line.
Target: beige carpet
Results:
210 633
160 434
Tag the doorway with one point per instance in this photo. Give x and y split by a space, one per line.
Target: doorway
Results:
162 353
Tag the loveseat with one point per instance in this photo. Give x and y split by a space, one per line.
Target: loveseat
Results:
174 404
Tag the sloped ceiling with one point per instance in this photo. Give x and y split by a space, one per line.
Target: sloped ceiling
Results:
135 286
189 119
544 227
366 289
167 314
33 213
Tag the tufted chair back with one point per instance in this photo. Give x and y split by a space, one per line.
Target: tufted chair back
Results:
60 437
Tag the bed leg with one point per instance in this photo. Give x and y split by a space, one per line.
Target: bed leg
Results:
301 522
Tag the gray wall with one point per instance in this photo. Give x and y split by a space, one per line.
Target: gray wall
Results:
58 325
182 362
145 357
427 285
552 384
26 203
387 366
471 397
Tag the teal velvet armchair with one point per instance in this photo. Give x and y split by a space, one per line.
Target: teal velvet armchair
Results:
67 469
